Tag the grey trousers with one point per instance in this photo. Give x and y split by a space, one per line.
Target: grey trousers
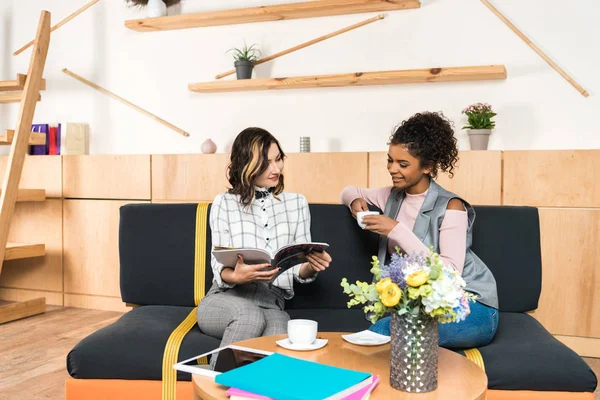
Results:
232 316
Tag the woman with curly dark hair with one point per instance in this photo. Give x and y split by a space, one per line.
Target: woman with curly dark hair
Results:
419 213
247 301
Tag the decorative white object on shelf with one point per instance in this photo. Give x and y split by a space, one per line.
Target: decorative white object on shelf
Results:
208 147
305 144
156 8
74 138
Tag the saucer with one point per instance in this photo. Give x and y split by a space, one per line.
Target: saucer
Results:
367 338
317 344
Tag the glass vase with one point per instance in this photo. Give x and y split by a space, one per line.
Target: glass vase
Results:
414 353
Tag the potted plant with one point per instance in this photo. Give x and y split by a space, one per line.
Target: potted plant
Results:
479 117
244 60
154 8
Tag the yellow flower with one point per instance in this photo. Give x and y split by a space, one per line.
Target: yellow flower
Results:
391 295
381 285
418 278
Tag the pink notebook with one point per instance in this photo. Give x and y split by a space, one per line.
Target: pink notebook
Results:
361 394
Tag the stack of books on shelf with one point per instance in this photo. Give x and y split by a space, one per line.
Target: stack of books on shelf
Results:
285 378
64 138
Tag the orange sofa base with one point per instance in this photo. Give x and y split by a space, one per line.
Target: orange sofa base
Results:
531 395
116 389
113 389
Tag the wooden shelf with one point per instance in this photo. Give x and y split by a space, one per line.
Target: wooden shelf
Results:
17 84
311 9
454 74
35 138
26 195
13 97
15 251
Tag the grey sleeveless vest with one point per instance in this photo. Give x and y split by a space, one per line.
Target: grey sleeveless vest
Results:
476 274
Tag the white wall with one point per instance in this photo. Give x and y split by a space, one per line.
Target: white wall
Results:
537 108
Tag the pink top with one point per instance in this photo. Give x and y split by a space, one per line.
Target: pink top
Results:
453 232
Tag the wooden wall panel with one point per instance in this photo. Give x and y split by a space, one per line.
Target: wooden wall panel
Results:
39 172
322 176
570 300
91 252
107 177
39 222
477 178
193 177
95 302
585 347
52 298
553 178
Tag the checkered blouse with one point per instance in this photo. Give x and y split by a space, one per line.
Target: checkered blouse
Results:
268 223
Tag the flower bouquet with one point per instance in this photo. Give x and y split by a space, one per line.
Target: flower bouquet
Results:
418 291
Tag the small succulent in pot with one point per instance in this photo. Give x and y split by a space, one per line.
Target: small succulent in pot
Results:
245 58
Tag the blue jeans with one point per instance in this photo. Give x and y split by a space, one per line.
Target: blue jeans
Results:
477 330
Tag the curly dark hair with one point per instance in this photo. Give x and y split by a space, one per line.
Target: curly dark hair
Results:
249 159
429 137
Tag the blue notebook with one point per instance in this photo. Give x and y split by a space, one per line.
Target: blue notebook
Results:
286 378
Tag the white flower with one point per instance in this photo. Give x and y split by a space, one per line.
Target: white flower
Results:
446 291
410 268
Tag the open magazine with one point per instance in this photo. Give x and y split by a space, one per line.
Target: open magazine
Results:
285 258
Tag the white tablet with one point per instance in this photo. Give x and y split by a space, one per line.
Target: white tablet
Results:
229 357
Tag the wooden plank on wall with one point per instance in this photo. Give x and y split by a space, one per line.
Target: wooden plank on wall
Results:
570 300
39 172
190 177
91 247
95 302
477 178
39 222
107 177
321 177
585 347
52 298
552 178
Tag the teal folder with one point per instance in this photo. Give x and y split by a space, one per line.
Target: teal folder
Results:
286 378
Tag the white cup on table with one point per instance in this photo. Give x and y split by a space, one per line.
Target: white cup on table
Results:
302 331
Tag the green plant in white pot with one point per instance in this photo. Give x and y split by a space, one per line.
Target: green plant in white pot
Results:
244 60
154 8
480 124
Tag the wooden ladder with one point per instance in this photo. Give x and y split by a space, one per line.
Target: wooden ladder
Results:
26 90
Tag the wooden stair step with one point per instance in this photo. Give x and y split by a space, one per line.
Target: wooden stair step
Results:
13 311
35 138
13 97
18 84
15 251
25 195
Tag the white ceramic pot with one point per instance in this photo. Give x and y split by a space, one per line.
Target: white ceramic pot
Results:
156 8
479 138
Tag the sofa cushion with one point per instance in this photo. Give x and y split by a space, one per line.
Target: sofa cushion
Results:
157 252
507 239
351 249
133 346
524 356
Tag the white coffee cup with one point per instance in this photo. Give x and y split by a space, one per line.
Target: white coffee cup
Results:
302 331
361 214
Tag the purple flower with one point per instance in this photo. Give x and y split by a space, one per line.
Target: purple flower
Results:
394 270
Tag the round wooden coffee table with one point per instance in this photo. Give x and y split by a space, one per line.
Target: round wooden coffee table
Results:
458 378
